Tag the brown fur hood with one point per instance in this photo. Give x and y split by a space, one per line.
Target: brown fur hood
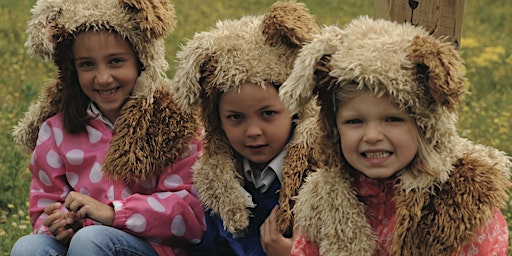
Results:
152 131
435 222
257 49
423 76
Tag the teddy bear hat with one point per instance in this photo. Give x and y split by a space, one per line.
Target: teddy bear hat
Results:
144 23
255 49
421 74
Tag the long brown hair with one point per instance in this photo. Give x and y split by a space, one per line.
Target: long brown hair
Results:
74 100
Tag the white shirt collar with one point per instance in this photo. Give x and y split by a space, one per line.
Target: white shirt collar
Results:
94 111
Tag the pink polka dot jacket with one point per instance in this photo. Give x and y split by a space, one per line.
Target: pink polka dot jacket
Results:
160 208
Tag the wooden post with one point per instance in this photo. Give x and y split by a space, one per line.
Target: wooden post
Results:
439 17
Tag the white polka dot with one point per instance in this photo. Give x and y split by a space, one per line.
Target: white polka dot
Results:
32 158
110 193
72 178
85 192
44 133
173 181
43 202
96 173
54 159
178 226
75 157
195 241
136 223
57 133
163 195
181 193
94 135
126 193
117 205
155 205
43 177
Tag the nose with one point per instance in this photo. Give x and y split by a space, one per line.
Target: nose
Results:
373 133
253 129
103 76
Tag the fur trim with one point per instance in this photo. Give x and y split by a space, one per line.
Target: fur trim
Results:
441 222
257 49
328 211
160 137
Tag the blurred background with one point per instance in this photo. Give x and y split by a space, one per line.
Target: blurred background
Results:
486 46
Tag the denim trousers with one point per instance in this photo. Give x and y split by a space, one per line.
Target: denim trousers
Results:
94 240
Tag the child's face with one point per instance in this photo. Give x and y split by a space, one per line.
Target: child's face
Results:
107 69
377 138
256 122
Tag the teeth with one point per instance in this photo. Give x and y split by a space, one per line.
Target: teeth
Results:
108 92
377 154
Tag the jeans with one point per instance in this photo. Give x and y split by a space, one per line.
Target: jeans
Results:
94 240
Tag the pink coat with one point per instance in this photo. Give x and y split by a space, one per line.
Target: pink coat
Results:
161 209
380 213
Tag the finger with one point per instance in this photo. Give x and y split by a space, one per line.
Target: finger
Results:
52 207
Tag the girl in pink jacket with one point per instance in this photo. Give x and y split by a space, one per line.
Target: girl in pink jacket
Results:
394 177
111 166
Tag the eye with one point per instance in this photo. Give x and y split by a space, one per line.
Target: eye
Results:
394 119
268 113
84 64
234 117
116 61
354 121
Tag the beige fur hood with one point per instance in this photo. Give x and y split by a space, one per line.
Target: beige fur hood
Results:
440 203
258 49
143 143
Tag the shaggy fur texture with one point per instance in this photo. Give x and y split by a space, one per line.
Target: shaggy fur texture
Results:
256 49
152 131
438 205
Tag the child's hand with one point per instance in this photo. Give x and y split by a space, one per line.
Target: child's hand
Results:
273 242
61 224
84 206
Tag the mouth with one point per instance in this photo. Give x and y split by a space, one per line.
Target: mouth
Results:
374 155
256 146
108 92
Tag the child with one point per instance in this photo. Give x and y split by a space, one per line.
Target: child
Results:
231 75
111 168
390 151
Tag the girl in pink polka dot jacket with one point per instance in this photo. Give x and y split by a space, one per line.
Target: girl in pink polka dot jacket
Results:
111 151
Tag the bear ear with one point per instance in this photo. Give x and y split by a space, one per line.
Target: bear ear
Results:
289 23
439 67
155 17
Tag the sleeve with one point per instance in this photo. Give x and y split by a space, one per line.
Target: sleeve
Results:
49 183
302 246
491 239
173 214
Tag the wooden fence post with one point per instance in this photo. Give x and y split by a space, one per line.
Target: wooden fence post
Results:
439 17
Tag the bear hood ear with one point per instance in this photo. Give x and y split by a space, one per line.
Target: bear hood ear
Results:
439 68
156 18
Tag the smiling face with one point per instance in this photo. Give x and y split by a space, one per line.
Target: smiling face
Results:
256 122
377 138
107 69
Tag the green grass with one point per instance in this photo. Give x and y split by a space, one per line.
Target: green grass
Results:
486 47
